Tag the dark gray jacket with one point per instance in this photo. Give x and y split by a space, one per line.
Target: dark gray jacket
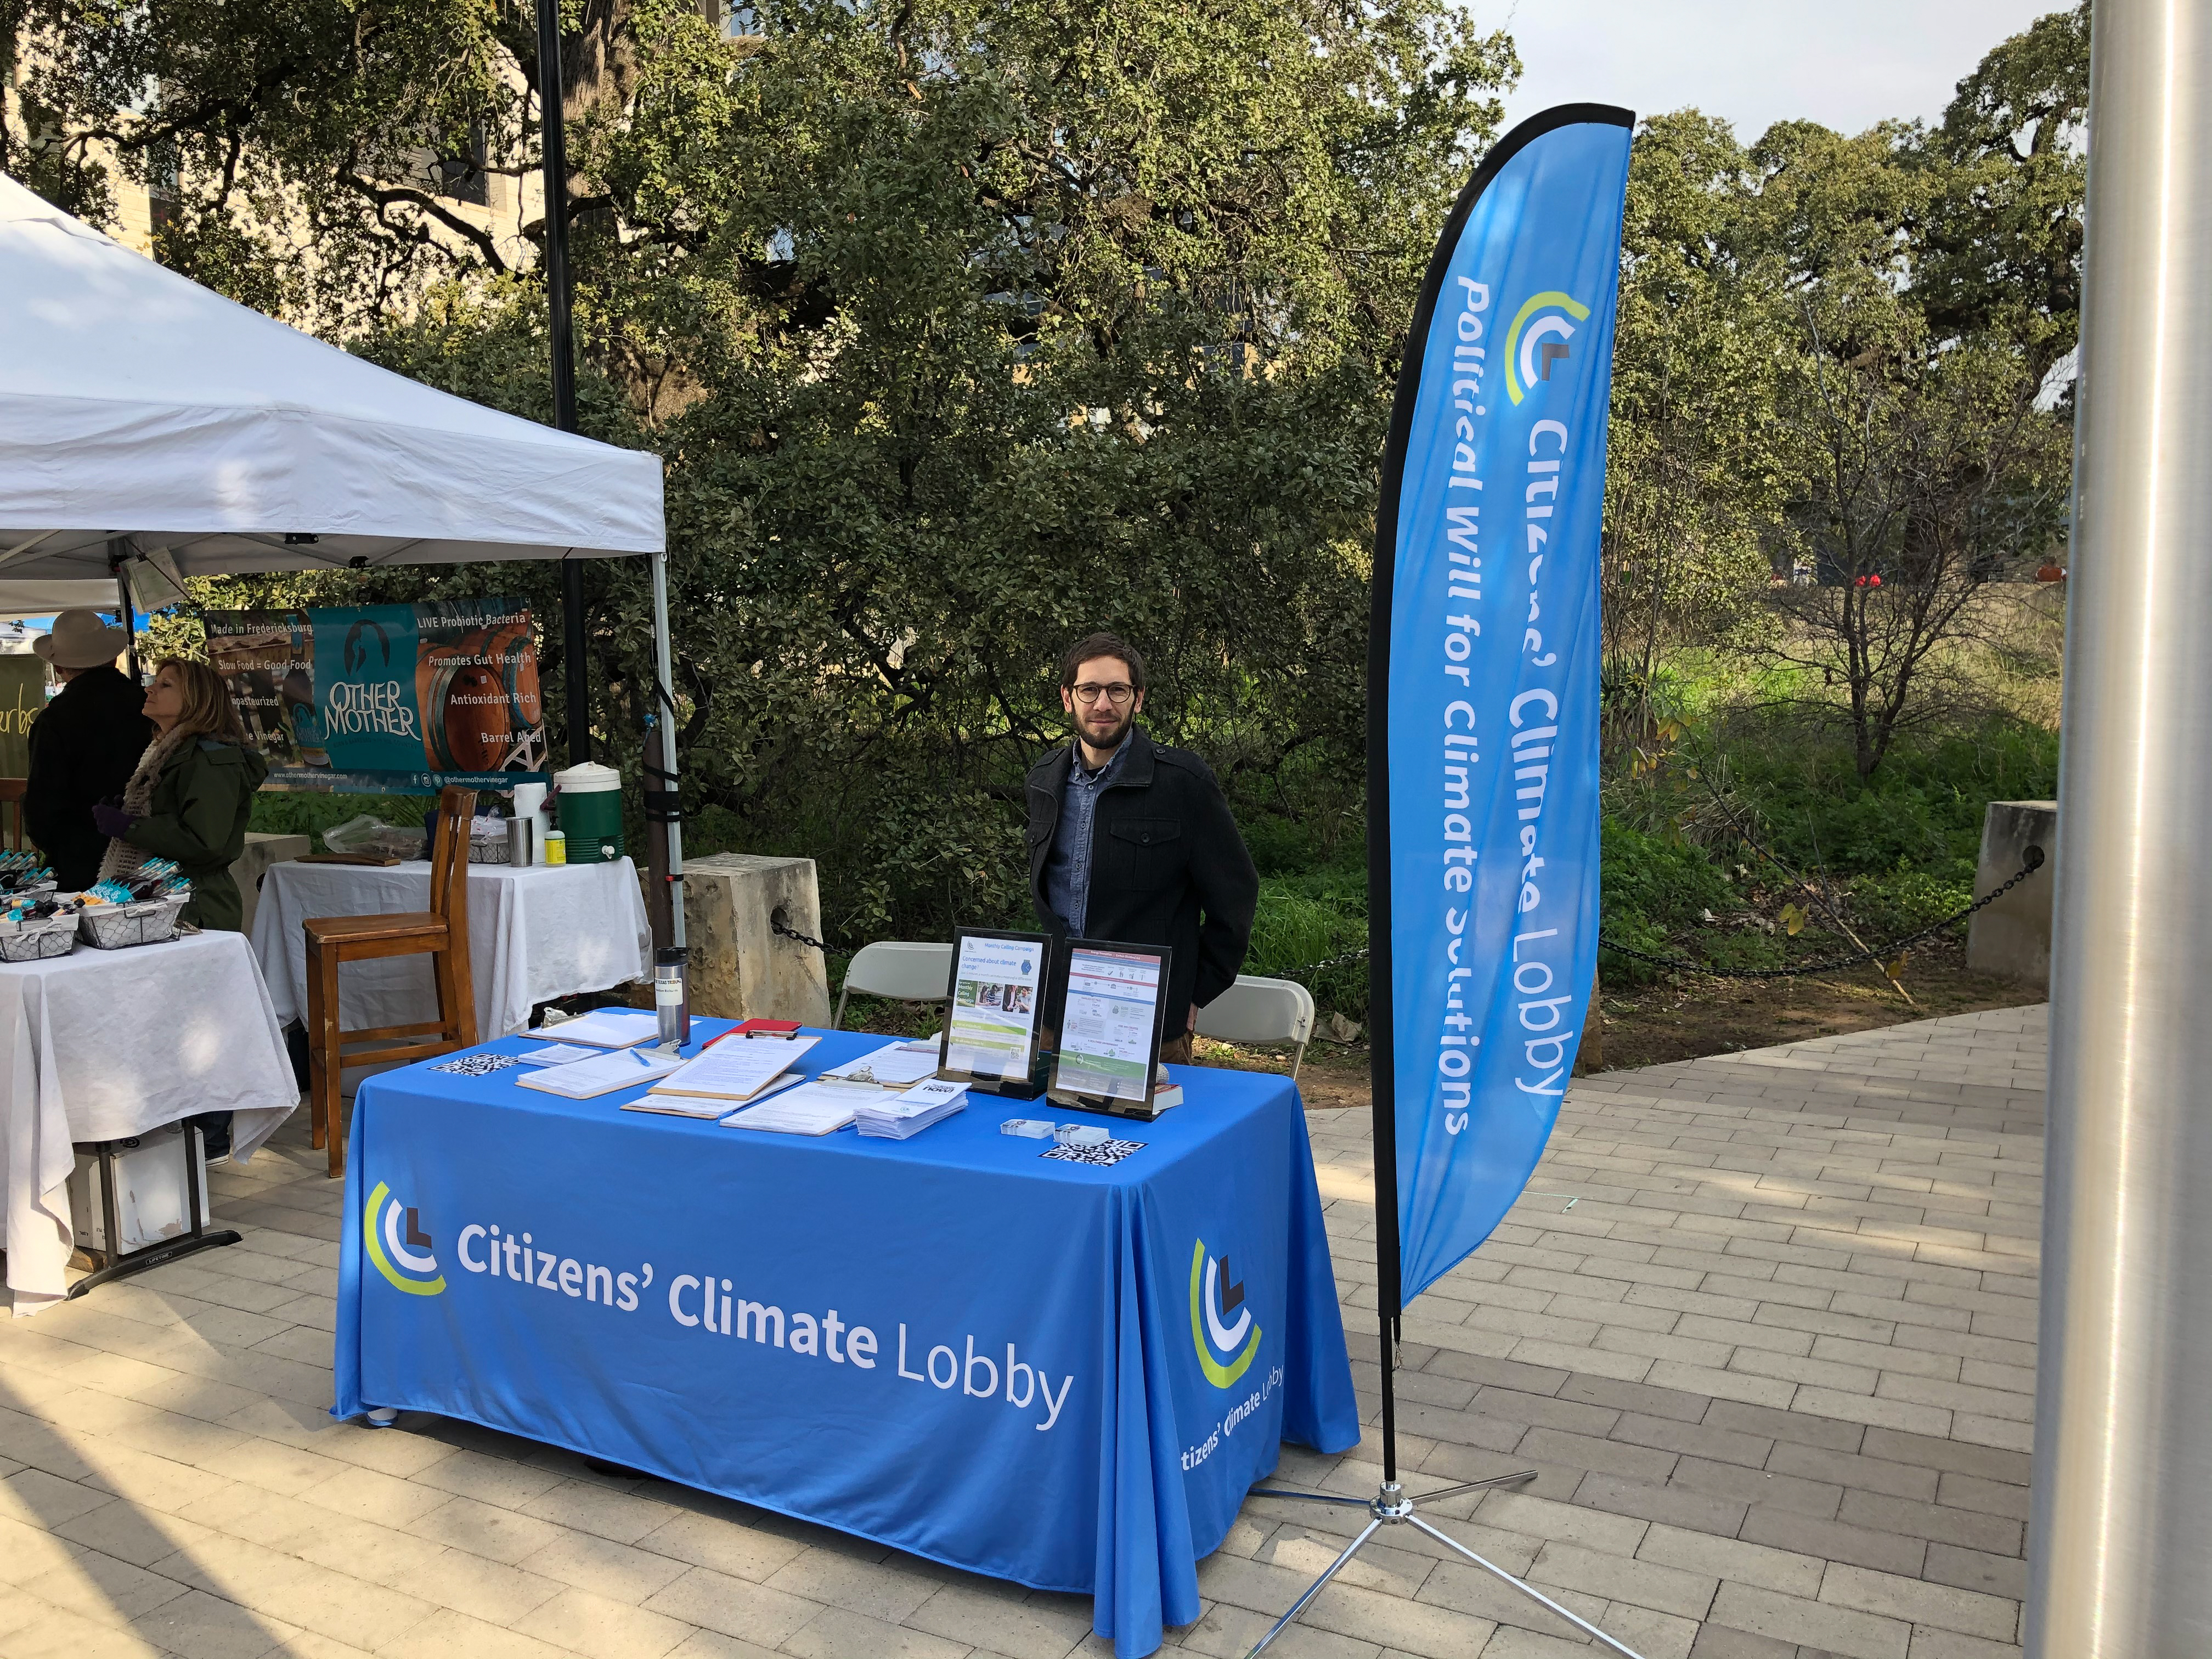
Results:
1167 867
84 746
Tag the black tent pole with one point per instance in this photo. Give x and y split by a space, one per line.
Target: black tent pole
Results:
555 139
123 609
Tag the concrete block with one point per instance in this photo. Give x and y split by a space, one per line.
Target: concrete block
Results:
2011 939
262 851
739 969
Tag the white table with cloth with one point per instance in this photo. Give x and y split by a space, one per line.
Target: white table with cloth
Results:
102 1045
536 931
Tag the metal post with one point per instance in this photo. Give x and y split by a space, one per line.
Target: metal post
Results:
124 614
665 831
554 140
1381 1031
2124 1418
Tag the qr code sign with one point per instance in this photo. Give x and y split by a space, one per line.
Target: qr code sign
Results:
478 1065
1104 1156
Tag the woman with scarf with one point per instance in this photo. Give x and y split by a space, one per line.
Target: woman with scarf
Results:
191 794
188 801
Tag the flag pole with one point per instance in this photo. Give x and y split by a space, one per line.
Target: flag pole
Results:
1392 1505
553 142
2119 1513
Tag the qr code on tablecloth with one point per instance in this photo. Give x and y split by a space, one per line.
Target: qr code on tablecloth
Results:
1104 1156
478 1065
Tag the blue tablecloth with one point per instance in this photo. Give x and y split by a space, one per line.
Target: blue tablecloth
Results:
1063 1375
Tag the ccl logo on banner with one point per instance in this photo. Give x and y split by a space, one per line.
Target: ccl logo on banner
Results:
1538 339
397 1243
1220 1320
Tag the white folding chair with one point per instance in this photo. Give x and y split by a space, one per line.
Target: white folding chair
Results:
904 970
1262 1011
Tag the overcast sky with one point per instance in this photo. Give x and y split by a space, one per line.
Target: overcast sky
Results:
1845 64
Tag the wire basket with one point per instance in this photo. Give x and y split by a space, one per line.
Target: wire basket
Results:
116 927
37 940
490 849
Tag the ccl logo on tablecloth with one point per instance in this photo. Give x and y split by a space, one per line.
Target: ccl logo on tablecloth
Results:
1220 1320
399 1246
1538 338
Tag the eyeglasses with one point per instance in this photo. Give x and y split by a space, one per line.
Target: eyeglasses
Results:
1117 695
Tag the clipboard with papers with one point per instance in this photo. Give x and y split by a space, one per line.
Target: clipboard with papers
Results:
581 1080
898 1065
734 1073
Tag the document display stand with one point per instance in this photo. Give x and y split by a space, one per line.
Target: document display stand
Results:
993 1002
1109 1032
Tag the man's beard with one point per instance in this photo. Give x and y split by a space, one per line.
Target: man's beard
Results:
1111 740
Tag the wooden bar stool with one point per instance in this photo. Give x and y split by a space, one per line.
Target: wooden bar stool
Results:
441 933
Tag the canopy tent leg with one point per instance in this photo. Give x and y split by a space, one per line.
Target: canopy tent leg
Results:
115 556
664 807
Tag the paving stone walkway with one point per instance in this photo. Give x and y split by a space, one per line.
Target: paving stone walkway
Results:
1764 1325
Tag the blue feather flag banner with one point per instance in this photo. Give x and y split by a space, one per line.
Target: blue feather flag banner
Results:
1483 683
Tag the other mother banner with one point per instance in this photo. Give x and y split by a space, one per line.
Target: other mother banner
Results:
387 699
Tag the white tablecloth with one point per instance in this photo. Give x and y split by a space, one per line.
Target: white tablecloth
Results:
536 933
99 1045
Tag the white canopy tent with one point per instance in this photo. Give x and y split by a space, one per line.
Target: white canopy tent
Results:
135 404
148 423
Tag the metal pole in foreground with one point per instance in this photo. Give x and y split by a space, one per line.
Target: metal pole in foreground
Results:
664 712
2123 1507
554 142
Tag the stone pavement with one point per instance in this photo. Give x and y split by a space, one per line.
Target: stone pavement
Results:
1764 1326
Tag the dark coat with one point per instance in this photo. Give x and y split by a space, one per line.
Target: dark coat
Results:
1167 867
201 803
84 745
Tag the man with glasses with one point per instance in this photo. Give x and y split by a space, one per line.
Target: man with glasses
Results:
1132 841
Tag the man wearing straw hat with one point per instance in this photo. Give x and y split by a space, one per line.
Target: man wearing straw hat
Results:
84 745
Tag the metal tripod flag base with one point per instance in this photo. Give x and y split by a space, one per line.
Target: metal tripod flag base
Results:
1394 1506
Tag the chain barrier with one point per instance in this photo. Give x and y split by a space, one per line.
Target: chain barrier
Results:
2032 860
776 925
1328 963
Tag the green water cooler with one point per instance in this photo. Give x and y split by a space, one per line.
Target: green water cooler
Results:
591 812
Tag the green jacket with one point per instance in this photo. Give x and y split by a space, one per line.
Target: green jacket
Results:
200 806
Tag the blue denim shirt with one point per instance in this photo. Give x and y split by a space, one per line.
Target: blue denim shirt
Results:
1067 867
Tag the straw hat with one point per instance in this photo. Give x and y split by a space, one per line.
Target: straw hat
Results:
80 639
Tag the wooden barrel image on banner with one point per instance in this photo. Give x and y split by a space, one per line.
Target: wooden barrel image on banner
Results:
478 694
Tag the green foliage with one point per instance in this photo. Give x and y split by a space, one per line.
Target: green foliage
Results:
1303 920
1651 880
965 326
1895 852
1833 361
1925 809
1890 907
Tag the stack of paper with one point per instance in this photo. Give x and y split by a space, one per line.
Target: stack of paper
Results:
894 1066
604 1028
599 1076
811 1109
911 1113
556 1054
